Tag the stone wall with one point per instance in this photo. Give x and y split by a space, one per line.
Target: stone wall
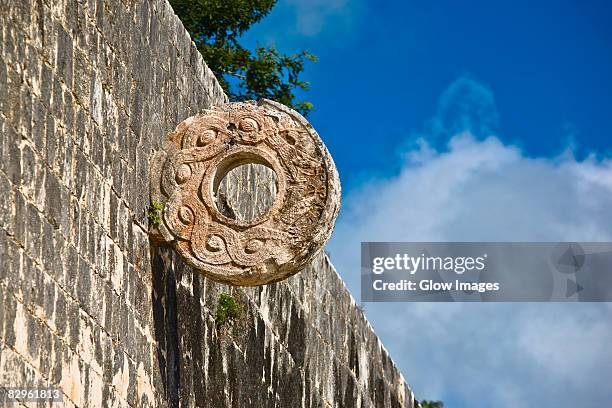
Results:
87 304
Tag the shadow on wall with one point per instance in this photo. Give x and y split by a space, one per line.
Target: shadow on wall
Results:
229 365
165 322
270 361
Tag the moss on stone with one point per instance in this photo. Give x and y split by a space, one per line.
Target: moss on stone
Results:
154 212
227 309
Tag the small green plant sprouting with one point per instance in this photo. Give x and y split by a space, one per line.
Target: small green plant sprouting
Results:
227 309
154 212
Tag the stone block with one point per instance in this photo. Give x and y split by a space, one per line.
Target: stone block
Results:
64 56
53 199
33 232
25 123
7 204
20 220
60 312
83 289
10 311
39 113
58 99
71 270
46 85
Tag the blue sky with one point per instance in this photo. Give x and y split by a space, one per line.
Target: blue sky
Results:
547 63
469 121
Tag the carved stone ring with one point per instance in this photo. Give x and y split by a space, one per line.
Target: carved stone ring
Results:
186 176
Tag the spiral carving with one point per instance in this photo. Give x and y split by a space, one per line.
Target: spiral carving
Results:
277 243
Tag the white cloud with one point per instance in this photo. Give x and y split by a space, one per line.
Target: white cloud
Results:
304 24
479 189
312 16
465 104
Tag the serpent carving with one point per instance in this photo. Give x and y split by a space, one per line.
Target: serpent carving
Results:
277 243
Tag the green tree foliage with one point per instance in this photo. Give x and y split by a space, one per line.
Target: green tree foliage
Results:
216 26
432 404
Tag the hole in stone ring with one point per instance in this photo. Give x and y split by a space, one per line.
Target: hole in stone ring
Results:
244 187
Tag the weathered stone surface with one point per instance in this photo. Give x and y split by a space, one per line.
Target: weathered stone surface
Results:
206 226
88 91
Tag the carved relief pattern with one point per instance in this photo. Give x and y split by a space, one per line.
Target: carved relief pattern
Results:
277 243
